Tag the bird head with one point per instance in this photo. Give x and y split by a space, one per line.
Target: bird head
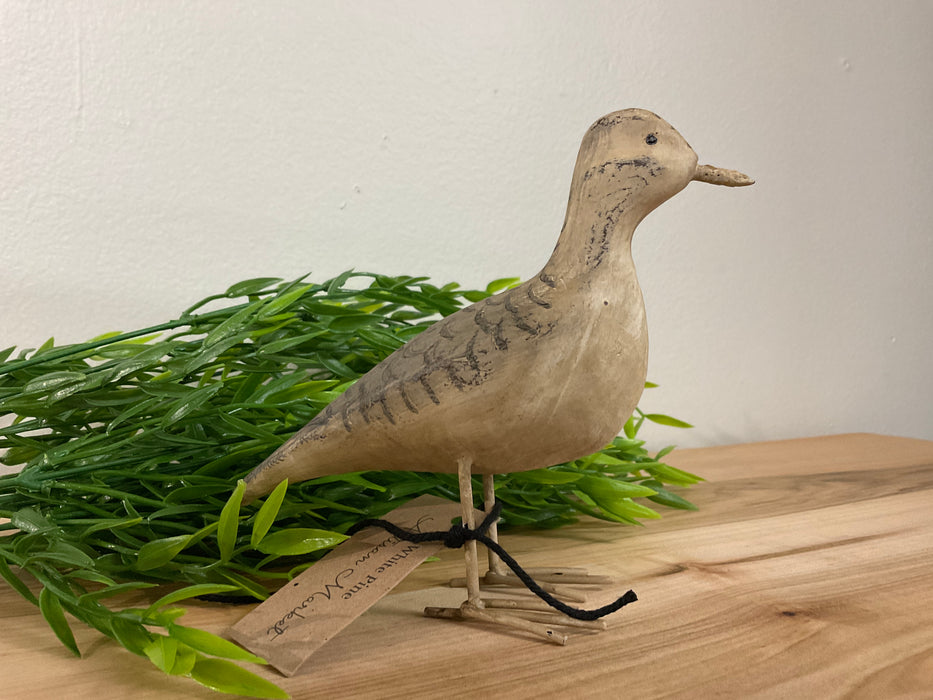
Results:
636 158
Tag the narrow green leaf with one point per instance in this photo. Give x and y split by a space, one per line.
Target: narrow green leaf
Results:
121 351
638 423
115 589
303 391
283 301
629 428
131 510
245 456
267 513
245 385
20 455
672 475
410 486
163 388
547 476
651 385
232 323
157 553
251 286
503 283
89 575
187 592
609 461
289 342
385 341
190 493
627 445
47 345
335 366
16 582
299 540
664 452
352 322
661 419
146 359
328 309
264 391
227 677
337 282
229 522
56 584
94 615
354 478
111 524
53 380
31 520
609 489
70 554
190 403
630 509
211 352
614 498
209 643
165 616
243 427
591 507
60 559
51 608
131 635
671 500
161 652
407 315
67 390
246 585
185 659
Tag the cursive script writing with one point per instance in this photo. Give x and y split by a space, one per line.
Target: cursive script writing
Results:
389 541
396 558
282 624
343 585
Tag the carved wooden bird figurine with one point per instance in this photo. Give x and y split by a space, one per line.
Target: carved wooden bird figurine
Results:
543 373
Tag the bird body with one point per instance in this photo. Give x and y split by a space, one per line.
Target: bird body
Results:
539 374
418 409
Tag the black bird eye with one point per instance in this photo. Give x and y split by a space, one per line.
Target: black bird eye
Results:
651 139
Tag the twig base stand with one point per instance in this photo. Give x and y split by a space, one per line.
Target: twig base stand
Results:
529 615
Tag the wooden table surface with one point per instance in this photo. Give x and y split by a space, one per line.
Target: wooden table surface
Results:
806 573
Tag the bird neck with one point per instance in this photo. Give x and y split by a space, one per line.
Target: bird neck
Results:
594 241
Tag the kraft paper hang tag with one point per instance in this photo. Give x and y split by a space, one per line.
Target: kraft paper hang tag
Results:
313 607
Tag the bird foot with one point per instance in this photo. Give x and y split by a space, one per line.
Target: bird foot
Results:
527 616
536 610
553 580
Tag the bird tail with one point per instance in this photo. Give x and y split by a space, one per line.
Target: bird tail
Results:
268 475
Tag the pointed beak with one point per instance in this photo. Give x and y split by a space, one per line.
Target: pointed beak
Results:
721 176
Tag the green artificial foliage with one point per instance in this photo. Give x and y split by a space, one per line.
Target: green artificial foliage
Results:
132 445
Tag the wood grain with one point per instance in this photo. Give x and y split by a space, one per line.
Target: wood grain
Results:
807 572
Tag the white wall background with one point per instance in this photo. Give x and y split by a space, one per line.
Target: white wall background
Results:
154 152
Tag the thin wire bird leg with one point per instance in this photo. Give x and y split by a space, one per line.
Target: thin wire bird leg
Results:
489 498
469 520
474 608
553 580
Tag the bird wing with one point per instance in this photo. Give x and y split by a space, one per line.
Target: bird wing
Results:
396 413
460 352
